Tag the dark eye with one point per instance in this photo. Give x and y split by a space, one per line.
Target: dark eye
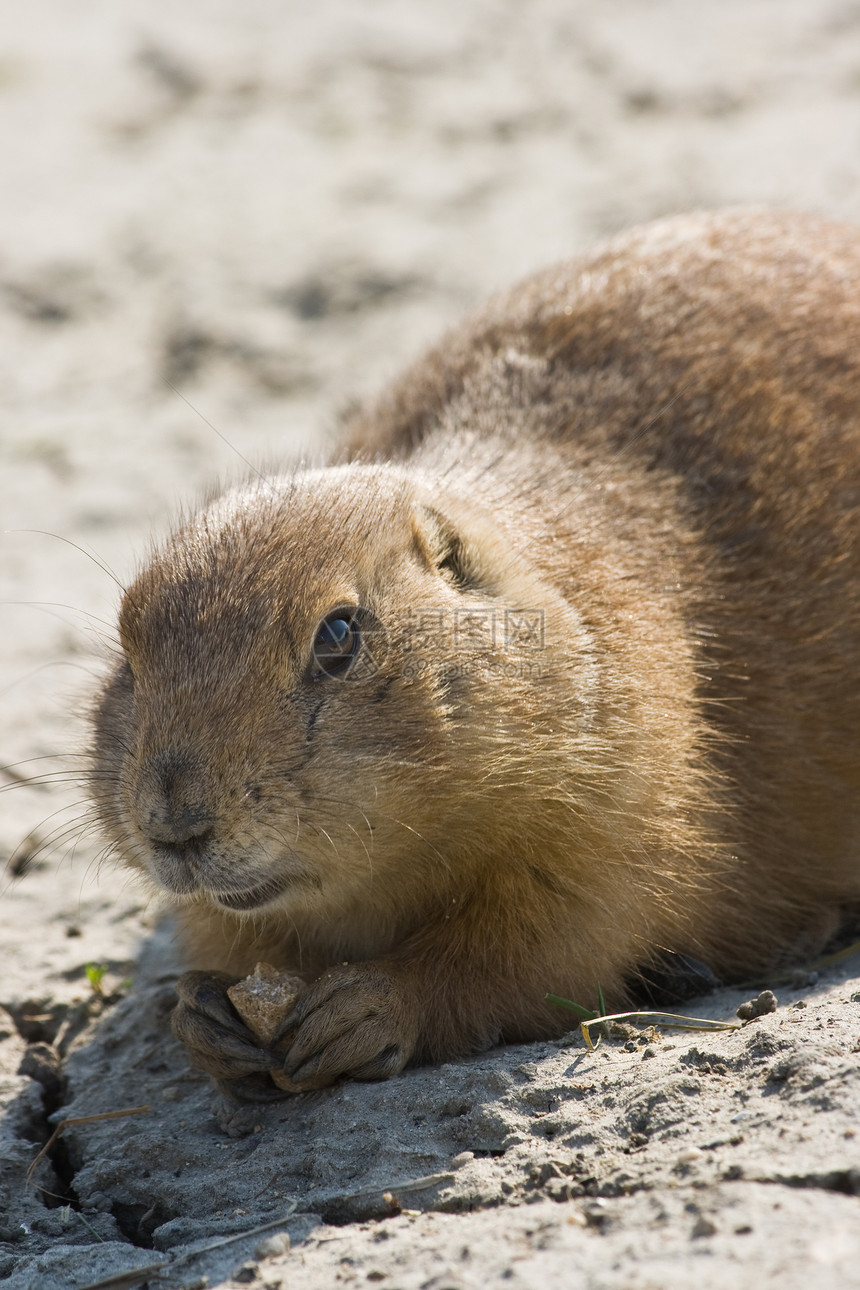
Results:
336 642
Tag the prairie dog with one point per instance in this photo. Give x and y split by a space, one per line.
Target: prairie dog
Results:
549 673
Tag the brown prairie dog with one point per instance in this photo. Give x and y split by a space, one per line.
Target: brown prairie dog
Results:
551 673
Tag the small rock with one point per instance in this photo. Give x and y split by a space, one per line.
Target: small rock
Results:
703 1227
760 1006
278 1243
595 1213
42 1063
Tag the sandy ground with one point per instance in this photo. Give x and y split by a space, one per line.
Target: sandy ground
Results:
220 224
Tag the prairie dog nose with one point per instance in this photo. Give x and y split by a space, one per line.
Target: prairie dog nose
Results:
172 797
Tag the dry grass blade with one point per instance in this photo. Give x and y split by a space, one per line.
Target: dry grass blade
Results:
668 1020
82 1119
237 1236
126 1280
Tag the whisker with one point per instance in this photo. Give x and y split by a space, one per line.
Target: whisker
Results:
366 852
26 761
325 834
45 667
223 438
23 858
97 560
125 748
49 779
47 605
391 819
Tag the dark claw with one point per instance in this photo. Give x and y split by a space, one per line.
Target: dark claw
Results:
308 1070
313 1052
323 1060
252 1089
217 1039
230 1065
330 992
206 993
289 1023
385 1064
310 1000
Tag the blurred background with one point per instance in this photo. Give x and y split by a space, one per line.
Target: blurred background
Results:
222 222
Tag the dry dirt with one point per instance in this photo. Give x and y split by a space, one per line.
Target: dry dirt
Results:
220 224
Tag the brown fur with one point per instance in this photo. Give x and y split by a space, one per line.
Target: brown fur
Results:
657 448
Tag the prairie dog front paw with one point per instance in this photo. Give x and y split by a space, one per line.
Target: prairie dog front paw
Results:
358 1020
220 1040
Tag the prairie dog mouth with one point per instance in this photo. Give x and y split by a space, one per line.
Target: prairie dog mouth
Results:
251 899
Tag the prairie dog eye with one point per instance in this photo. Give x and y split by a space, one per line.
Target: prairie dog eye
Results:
336 642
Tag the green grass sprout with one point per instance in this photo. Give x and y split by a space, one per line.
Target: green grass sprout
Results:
95 973
585 1013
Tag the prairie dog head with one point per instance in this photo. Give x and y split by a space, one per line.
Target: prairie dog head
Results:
320 673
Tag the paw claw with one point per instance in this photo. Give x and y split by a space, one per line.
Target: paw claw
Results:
307 1071
385 1064
217 1040
252 1089
355 1022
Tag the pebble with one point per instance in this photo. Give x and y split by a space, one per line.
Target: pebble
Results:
703 1227
760 1006
278 1243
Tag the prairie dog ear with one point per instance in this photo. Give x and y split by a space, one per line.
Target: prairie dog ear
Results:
439 546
